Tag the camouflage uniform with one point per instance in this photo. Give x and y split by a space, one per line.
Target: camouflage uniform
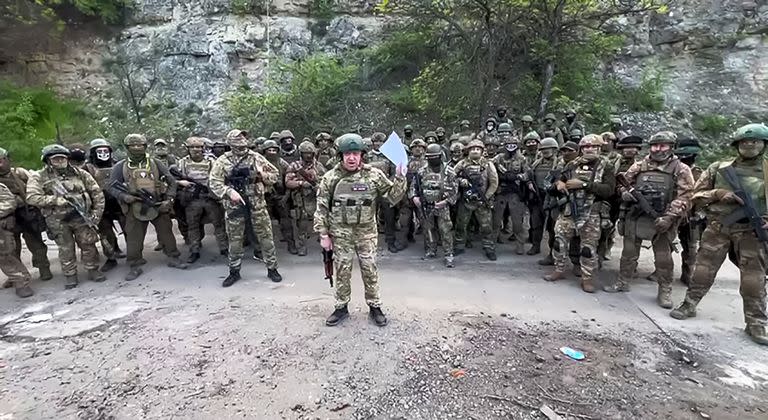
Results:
610 211
52 189
407 211
277 197
101 170
691 227
388 212
595 183
200 205
667 183
478 181
289 152
301 180
10 264
550 129
129 177
513 185
346 212
325 149
258 177
436 189
726 230
541 218
531 142
29 221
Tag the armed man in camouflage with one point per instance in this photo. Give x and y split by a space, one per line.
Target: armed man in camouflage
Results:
346 221
575 135
441 138
572 122
145 191
617 128
100 163
240 178
728 228
301 179
456 153
465 130
489 133
501 116
526 126
513 186
201 206
611 207
531 142
29 222
433 191
407 135
387 212
587 181
665 185
162 154
72 203
691 227
277 197
550 129
541 218
407 210
478 182
325 149
10 264
289 151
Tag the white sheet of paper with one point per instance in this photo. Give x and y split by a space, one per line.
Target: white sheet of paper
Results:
394 150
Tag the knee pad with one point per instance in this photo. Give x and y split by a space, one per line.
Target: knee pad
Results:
559 245
586 252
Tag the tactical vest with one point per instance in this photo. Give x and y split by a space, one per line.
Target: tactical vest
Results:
587 172
197 171
144 176
101 175
432 185
513 167
752 180
14 184
74 185
542 171
324 155
657 186
477 175
353 202
305 199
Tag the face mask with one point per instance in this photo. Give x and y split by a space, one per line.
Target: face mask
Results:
661 156
570 118
434 161
547 153
629 153
489 127
161 151
511 148
239 150
750 150
287 146
475 154
77 155
103 154
137 153
408 133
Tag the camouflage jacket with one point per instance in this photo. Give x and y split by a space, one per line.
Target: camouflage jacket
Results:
278 188
681 173
16 180
302 179
264 174
752 177
79 186
7 202
490 175
435 185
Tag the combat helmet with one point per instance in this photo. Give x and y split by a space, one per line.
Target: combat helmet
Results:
548 143
135 139
99 143
287 134
53 150
418 143
237 138
504 128
550 116
269 144
430 134
532 136
687 148
630 141
476 143
195 142
750 131
608 136
591 140
379 137
663 137
350 142
527 118
368 144
307 147
434 150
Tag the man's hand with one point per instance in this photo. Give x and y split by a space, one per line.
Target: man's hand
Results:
441 204
574 184
184 183
235 197
561 186
726 196
60 202
417 201
464 182
164 206
130 199
627 197
663 224
326 242
531 187
402 170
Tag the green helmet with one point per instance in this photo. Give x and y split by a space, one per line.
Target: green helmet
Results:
3 153
350 142
307 147
99 143
548 143
368 143
323 136
53 150
260 140
418 143
134 139
504 128
269 144
408 127
550 116
664 137
379 137
439 131
750 131
687 147
431 134
434 150
532 136
576 133
527 118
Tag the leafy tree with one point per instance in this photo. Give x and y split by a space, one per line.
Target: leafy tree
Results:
32 11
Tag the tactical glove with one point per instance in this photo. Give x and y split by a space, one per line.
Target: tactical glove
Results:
626 196
663 223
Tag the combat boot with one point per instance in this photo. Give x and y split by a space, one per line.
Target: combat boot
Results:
377 316
232 278
490 254
108 265
654 277
429 255
410 238
392 247
119 254
175 262
302 251
193 256
547 261
686 310
449 261
757 334
158 247
619 286
224 252
512 238
134 274
499 240
458 251
71 282
519 249
257 255
535 250
45 273
338 315
96 275
292 248
24 292
576 270
555 276
664 297
274 275
586 285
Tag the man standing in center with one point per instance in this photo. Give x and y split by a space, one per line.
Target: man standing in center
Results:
301 179
345 218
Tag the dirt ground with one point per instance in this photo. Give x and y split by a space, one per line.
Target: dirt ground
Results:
481 341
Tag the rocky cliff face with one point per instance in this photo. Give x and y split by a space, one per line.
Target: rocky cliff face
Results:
713 54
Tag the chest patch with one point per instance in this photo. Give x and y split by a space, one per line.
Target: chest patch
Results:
359 187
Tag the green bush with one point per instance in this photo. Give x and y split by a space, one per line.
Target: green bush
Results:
241 7
713 125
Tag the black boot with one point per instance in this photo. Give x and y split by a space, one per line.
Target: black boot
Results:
392 247
133 274
274 275
377 316
257 255
490 254
45 273
193 256
223 252
338 315
535 249
108 265
234 276
71 282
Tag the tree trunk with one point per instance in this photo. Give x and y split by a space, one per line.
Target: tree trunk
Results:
546 87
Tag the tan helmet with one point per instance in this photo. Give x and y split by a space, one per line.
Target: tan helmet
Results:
608 137
133 139
237 138
286 134
307 147
275 135
548 143
476 143
550 116
195 142
591 140
418 143
379 137
527 118
663 137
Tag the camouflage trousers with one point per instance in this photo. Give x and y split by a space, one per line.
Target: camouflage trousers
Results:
36 246
482 213
181 219
406 214
107 235
136 231
662 257
10 264
198 213
68 237
262 230
517 210
345 247
715 243
437 225
689 235
588 232
277 207
304 229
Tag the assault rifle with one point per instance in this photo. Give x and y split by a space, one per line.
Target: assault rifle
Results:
748 210
238 180
304 174
642 202
78 207
148 200
328 265
472 193
198 189
421 210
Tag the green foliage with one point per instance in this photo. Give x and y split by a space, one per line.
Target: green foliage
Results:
713 125
110 11
32 117
403 100
300 95
321 8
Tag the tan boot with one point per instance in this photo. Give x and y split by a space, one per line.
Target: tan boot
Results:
684 311
586 285
757 334
555 276
664 296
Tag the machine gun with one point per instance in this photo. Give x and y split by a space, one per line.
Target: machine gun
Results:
748 210
198 189
421 210
148 200
642 202
78 207
238 180
328 265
